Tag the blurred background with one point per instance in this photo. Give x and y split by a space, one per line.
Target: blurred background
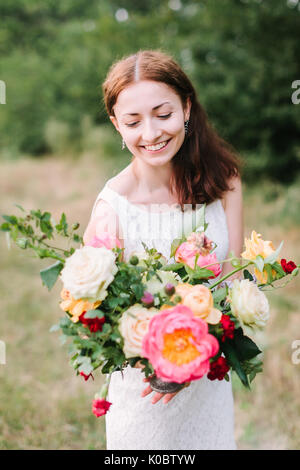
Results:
58 148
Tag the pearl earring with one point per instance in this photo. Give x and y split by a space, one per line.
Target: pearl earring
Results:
123 144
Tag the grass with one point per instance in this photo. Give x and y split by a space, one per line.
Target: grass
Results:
43 404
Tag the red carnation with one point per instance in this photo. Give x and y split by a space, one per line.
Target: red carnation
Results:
228 327
100 407
86 377
218 369
288 267
94 324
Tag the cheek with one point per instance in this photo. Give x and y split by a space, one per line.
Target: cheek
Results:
174 127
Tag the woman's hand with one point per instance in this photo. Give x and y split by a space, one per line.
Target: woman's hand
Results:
158 396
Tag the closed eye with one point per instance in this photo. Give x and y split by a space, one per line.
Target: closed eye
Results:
162 116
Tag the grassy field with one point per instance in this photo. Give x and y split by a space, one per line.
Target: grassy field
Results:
43 405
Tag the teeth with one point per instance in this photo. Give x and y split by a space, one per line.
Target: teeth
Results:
156 147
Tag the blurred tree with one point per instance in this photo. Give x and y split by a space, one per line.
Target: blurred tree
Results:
240 54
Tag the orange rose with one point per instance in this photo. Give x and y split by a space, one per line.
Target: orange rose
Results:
75 307
200 300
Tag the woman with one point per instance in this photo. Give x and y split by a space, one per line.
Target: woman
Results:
178 163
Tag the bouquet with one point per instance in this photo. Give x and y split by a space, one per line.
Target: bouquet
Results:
168 317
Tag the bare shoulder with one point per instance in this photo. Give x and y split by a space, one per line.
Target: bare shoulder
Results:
123 182
234 196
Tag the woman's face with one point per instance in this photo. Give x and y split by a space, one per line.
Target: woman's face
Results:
150 117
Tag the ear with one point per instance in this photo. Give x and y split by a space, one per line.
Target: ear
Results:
115 122
187 109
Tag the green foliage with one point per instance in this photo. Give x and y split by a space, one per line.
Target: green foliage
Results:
31 232
54 58
239 352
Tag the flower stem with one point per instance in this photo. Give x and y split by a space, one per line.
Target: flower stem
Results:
229 274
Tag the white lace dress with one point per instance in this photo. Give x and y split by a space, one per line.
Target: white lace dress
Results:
198 417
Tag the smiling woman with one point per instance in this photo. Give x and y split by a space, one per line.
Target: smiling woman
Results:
177 158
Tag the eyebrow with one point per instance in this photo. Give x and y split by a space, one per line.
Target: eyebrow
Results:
155 107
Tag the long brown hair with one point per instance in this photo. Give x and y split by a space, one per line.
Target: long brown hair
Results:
205 162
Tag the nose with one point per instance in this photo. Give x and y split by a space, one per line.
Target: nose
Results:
150 132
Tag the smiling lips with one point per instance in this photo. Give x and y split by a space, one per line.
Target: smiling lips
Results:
155 148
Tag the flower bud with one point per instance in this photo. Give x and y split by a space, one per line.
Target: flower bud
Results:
148 299
295 272
75 226
169 289
134 260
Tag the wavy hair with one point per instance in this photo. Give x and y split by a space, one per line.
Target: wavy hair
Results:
204 164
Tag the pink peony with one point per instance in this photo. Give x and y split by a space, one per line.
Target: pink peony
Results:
100 407
186 253
106 240
178 345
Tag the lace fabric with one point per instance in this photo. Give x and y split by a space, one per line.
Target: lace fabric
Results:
200 416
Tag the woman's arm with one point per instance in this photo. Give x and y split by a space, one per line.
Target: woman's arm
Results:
233 202
104 219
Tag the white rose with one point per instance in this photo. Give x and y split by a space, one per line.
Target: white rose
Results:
249 304
88 272
154 286
133 326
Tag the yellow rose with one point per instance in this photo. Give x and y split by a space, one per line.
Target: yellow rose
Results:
256 246
75 307
200 300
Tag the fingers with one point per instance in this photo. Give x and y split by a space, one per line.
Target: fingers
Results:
168 397
146 391
157 397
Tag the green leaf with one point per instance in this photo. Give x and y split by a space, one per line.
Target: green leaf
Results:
273 256
5 227
268 269
175 244
172 267
49 275
22 243
20 207
85 365
54 328
278 268
36 214
202 273
94 314
219 295
11 219
247 275
259 263
63 339
234 361
245 348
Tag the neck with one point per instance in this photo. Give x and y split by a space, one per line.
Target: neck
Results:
152 178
